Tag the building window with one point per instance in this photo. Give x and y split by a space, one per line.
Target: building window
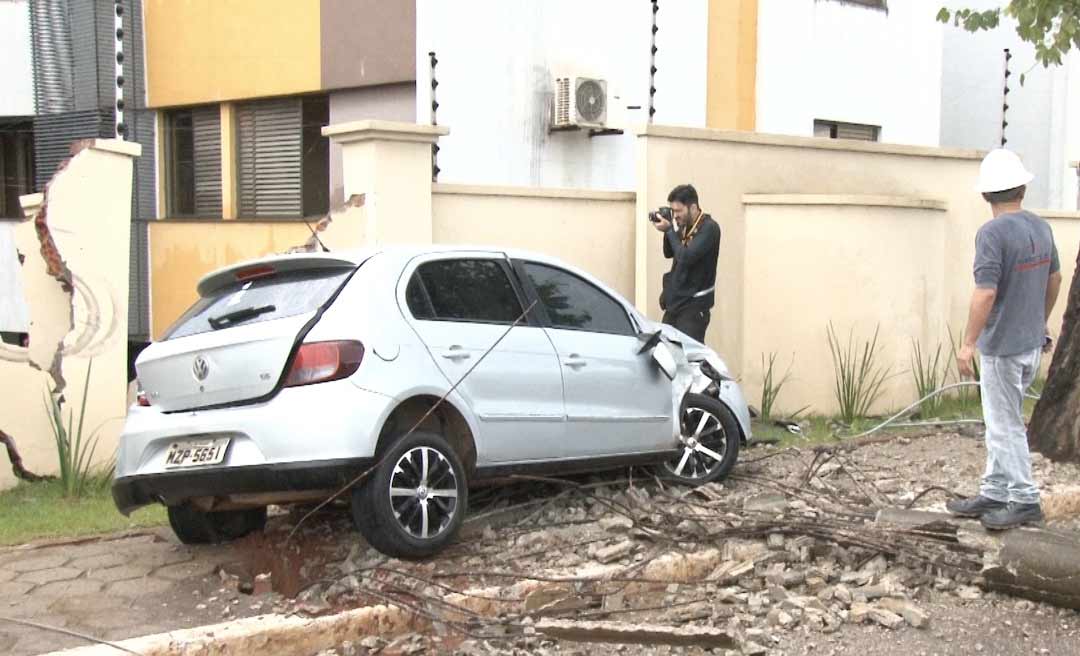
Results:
193 152
838 130
283 161
16 165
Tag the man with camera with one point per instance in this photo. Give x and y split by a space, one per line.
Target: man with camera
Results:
692 242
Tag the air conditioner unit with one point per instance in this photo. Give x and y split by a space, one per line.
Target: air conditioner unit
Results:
580 102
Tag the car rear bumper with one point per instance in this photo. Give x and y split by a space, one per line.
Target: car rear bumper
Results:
131 492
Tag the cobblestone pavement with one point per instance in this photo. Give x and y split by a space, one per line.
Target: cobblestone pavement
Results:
114 588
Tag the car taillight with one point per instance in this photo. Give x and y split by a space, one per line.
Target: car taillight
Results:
320 362
142 399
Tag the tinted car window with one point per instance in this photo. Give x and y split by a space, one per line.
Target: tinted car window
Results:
574 303
273 297
417 298
463 290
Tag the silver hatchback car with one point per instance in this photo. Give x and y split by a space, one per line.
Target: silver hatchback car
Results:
423 369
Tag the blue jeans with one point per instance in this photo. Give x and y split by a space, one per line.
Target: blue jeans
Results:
1004 380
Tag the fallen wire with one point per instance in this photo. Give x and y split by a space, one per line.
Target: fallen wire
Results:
367 472
67 632
932 488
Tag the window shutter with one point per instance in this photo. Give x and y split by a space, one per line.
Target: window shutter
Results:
854 131
269 170
206 136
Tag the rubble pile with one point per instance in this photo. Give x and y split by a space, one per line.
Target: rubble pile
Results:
797 545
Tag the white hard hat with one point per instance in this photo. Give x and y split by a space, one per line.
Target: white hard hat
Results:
1002 170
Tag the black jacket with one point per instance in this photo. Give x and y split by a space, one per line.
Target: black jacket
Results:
693 268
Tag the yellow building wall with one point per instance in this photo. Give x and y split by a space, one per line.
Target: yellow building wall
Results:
732 65
183 252
201 51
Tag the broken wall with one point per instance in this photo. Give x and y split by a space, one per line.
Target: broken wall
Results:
75 283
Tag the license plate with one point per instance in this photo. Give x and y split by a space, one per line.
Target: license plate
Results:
195 453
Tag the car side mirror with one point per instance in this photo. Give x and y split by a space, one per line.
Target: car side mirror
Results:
663 356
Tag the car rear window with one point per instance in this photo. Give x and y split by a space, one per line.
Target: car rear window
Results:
263 299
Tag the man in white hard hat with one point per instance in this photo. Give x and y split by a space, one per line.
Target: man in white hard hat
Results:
1017 279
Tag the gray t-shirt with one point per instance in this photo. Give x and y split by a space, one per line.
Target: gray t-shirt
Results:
1015 254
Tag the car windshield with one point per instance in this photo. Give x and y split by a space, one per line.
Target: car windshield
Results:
263 299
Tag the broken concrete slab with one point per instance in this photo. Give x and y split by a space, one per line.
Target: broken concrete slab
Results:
1025 562
616 551
640 634
911 613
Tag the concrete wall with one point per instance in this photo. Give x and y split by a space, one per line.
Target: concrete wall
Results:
588 229
495 85
88 215
17 73
814 231
858 262
842 62
771 256
1043 116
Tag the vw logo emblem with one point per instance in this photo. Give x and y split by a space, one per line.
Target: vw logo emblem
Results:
201 368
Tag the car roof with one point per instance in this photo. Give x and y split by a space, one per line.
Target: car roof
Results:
356 256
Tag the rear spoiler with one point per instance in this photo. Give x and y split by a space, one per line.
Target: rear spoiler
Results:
253 269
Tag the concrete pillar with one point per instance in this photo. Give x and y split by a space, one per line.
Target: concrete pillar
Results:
389 163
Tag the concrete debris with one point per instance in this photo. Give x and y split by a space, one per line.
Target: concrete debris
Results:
769 503
911 613
717 569
641 634
616 551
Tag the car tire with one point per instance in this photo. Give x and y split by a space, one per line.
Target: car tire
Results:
194 526
406 512
709 444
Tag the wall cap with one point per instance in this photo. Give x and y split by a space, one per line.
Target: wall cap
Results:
531 192
1068 215
118 146
759 138
854 200
374 130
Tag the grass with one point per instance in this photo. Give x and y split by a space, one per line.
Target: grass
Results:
830 430
33 511
858 377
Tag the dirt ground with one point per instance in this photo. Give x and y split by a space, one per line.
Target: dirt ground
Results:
796 595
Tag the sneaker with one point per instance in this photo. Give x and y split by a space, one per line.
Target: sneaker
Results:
1013 515
974 507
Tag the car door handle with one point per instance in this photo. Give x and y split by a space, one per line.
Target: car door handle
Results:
575 361
456 353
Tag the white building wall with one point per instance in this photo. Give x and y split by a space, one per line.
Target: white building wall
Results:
16 71
497 60
1044 125
824 59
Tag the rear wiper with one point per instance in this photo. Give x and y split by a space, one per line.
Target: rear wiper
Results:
237 316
